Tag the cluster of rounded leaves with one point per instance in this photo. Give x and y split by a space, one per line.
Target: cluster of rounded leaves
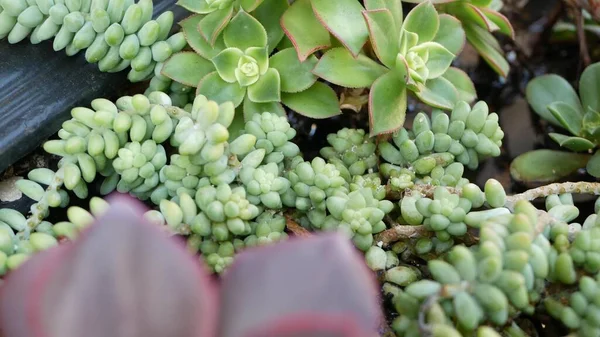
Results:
116 34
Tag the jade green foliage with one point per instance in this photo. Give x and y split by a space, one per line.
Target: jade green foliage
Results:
555 100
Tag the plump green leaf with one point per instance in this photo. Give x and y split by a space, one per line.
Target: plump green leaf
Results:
591 125
189 27
473 15
304 29
576 144
501 22
244 32
268 14
251 108
226 62
250 5
487 46
481 3
593 166
547 89
589 87
295 75
267 88
451 34
187 68
319 101
438 60
424 21
338 66
462 83
438 93
570 118
395 8
213 24
387 104
343 19
195 6
383 39
214 88
546 166
432 1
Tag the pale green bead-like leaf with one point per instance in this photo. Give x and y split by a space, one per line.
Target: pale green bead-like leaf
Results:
250 108
343 19
423 20
438 60
593 166
267 88
546 166
438 93
451 35
462 83
395 8
261 56
215 89
213 24
295 75
383 40
547 89
226 63
577 144
244 32
338 66
567 116
319 101
189 27
387 104
268 14
195 6
187 68
589 87
304 29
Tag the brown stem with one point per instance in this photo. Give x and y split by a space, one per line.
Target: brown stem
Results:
582 187
295 228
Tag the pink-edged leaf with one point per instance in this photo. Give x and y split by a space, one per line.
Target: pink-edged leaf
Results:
304 30
296 279
122 277
395 8
189 26
451 34
384 38
268 14
462 83
487 46
501 21
338 66
387 104
213 24
474 15
187 67
195 6
250 5
215 89
424 21
318 101
343 19
438 93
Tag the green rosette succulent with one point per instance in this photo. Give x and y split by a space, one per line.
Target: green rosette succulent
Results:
265 185
352 151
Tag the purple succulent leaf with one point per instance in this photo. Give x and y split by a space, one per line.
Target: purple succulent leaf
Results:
121 278
316 286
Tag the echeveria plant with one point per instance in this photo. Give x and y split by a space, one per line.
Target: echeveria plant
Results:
125 278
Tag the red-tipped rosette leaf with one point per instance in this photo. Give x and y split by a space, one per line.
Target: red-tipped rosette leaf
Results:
304 30
316 286
121 278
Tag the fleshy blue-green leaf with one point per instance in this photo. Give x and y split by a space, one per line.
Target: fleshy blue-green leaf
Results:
189 27
438 93
226 62
383 40
424 21
187 68
250 5
501 22
547 89
213 24
250 108
195 6
215 89
295 75
487 46
546 166
244 32
439 59
462 83
576 144
344 20
591 125
395 8
570 118
267 88
268 14
593 166
451 34
304 29
338 66
589 87
387 104
319 101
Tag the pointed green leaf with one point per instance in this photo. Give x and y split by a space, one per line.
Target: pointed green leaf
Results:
251 108
304 29
546 166
547 89
250 5
438 93
395 8
387 104
593 166
589 87
481 3
187 67
501 22
485 44
401 69
383 40
338 66
195 6
261 56
435 2
344 20
244 32
319 101
267 88
576 144
462 83
226 62
295 75
213 24
451 35
438 60
567 116
215 89
591 125
473 15
196 41
269 15
424 21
